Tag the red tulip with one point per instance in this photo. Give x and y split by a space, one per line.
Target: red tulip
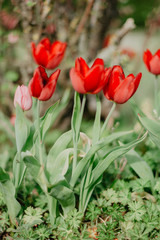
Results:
89 80
42 87
48 55
23 98
120 89
152 62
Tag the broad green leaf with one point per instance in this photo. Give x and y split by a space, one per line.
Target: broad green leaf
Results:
64 195
37 171
22 128
19 170
47 119
32 163
52 206
60 166
111 156
135 108
97 122
60 145
153 128
141 167
8 191
3 176
85 160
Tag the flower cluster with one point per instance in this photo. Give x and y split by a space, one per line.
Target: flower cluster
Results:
41 86
116 87
112 81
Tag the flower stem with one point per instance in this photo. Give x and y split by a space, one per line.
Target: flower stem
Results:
39 133
108 117
75 143
156 96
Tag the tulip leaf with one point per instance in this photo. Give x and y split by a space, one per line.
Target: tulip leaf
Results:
22 132
85 160
60 166
141 167
153 128
64 195
47 119
22 128
52 113
110 157
60 145
8 191
32 163
37 171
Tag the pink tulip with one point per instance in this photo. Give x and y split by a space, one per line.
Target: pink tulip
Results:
23 98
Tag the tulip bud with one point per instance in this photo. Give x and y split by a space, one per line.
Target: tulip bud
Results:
23 98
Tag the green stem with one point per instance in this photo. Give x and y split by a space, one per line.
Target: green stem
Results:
156 95
39 133
108 117
75 143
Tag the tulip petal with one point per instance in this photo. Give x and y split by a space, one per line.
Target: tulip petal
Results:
26 98
41 55
104 80
18 96
147 56
116 77
93 78
49 89
36 83
127 88
155 65
81 66
77 81
46 43
56 54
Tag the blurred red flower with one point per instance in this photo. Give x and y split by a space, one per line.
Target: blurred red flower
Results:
152 62
48 55
8 20
42 87
89 80
120 89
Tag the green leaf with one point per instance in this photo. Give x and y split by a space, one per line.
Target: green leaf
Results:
22 128
85 160
141 167
32 163
64 195
37 171
97 122
60 166
135 108
19 170
153 128
111 156
3 176
60 145
8 191
47 119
